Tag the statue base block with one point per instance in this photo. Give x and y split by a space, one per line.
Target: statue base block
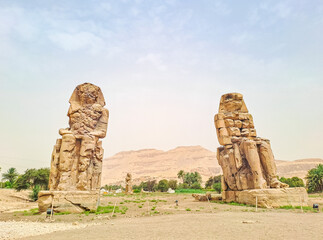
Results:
268 198
68 201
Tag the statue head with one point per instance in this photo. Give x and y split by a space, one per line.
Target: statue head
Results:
232 102
86 94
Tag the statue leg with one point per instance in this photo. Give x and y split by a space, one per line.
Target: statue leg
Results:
268 163
97 166
250 150
54 173
86 154
66 152
66 158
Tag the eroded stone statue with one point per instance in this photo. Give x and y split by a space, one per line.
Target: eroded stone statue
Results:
247 161
128 184
77 156
76 163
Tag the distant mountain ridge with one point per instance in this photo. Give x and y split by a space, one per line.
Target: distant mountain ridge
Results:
150 164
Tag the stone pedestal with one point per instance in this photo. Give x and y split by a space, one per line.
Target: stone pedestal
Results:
268 198
68 201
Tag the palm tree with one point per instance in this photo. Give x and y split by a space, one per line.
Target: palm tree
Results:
315 179
11 175
181 174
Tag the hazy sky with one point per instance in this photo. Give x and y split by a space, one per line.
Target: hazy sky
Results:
162 67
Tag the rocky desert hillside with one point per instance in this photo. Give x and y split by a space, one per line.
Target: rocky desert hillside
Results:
157 164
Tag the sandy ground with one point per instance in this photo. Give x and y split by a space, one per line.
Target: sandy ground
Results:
11 200
155 216
223 225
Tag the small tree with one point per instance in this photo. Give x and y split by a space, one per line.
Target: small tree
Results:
143 185
33 177
11 175
172 184
193 178
315 179
150 186
163 185
217 187
21 183
196 185
212 180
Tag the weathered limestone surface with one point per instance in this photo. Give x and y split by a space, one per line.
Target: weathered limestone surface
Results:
268 198
67 201
128 184
76 163
207 197
247 161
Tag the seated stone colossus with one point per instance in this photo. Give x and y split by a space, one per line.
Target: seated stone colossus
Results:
247 161
77 157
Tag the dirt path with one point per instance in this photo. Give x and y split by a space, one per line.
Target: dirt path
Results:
221 225
156 216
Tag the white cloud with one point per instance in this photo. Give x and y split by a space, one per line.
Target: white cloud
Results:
153 59
106 6
242 38
269 13
77 41
15 20
221 8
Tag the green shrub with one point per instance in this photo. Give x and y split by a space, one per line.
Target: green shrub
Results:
196 185
112 187
293 182
305 208
31 212
34 193
172 184
286 207
109 209
217 187
157 200
212 180
183 186
8 184
86 213
62 213
188 209
190 191
150 186
162 185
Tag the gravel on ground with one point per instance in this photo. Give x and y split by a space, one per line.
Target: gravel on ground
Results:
16 230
